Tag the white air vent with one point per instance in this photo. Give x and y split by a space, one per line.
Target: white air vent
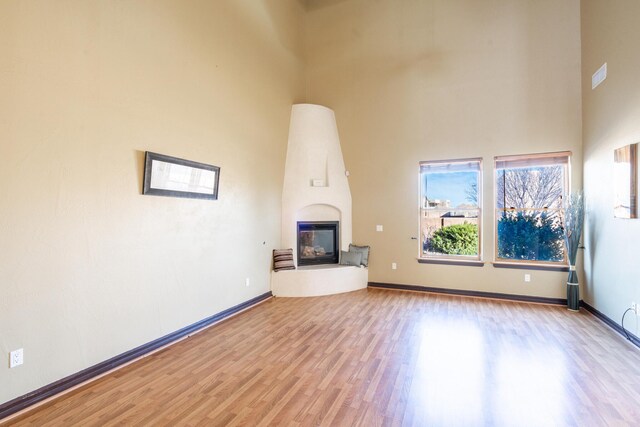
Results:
599 76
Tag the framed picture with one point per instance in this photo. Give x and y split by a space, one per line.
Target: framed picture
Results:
174 177
625 181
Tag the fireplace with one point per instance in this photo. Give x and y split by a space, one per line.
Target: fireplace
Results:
318 243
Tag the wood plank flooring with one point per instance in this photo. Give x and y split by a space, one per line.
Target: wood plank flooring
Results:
374 357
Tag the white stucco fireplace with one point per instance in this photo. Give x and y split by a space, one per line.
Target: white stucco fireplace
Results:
316 189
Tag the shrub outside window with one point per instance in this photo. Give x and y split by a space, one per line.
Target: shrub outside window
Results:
450 214
530 195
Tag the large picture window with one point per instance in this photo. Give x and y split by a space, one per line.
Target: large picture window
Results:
450 200
530 195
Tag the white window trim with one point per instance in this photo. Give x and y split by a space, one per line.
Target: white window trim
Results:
471 260
525 159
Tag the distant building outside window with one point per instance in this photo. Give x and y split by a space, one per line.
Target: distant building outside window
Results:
530 198
450 214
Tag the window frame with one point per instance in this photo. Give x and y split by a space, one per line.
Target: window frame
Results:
521 263
472 260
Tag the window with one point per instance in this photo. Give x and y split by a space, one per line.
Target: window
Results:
530 194
450 201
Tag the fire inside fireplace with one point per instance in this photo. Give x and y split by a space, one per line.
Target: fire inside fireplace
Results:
318 243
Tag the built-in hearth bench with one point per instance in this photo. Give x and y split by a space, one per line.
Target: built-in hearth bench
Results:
318 280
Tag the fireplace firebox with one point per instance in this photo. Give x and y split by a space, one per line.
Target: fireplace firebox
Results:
318 242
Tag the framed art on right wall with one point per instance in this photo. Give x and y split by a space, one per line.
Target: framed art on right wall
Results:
625 181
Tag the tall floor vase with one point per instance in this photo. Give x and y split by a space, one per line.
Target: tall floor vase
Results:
573 290
573 221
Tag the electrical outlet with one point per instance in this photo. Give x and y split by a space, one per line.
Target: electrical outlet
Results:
379 228
394 266
634 307
247 282
16 358
527 277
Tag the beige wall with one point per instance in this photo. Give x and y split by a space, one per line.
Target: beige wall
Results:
435 79
611 119
91 268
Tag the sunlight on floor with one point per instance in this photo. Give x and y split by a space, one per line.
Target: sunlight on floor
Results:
530 384
460 371
449 372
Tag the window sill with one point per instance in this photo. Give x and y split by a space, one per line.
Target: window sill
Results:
462 262
530 266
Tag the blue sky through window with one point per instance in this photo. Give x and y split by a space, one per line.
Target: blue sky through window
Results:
451 186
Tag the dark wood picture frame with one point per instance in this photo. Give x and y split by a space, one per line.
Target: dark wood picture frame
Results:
174 177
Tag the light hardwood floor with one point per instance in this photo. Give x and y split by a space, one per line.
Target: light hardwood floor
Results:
375 357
